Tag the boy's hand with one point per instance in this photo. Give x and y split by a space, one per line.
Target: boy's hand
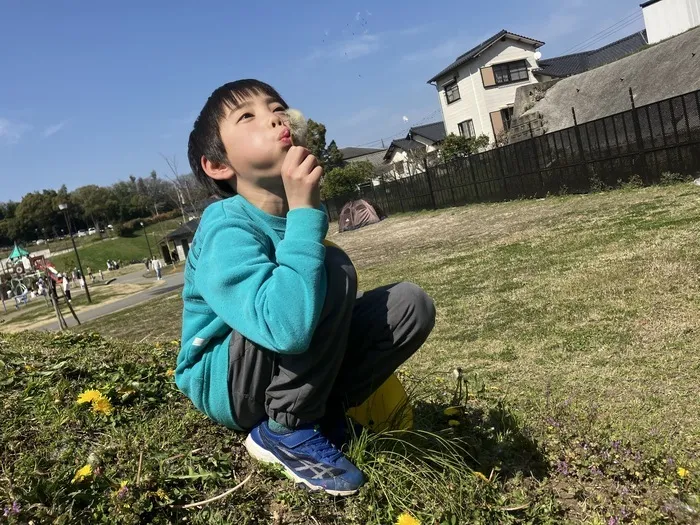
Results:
301 174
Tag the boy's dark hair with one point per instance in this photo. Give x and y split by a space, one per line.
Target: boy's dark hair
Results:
205 139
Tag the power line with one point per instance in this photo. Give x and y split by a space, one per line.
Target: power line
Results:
402 132
612 32
624 22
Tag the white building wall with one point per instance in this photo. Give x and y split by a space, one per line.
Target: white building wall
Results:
668 18
476 101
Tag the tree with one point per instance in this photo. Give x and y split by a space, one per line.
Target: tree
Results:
334 158
344 180
316 139
92 200
37 214
457 146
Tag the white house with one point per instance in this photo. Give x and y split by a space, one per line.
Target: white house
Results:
666 18
404 157
477 90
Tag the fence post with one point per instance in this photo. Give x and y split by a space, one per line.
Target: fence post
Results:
537 157
639 140
430 184
579 144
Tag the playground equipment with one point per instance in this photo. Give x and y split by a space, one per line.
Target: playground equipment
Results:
17 263
388 408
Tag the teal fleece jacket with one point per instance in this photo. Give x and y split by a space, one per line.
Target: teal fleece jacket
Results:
258 274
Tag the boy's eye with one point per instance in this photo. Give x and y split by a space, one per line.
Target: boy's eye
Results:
245 116
280 108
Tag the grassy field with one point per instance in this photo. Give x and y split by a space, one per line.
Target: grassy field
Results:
574 320
38 310
95 254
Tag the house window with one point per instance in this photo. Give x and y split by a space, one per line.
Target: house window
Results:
511 72
452 93
398 166
466 128
507 116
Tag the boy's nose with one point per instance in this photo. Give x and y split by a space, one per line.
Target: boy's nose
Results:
276 120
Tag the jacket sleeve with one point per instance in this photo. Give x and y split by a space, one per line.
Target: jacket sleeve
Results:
274 304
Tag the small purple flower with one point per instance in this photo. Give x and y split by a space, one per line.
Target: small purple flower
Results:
123 492
613 520
9 511
563 468
596 471
616 445
670 462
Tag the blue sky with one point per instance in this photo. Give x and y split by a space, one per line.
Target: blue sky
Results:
91 92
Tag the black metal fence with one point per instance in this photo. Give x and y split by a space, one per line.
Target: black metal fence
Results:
641 144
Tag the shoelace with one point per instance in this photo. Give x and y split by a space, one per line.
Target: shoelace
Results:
320 445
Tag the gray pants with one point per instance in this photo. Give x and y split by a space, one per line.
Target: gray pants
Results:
360 340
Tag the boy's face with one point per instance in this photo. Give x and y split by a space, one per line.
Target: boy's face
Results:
256 137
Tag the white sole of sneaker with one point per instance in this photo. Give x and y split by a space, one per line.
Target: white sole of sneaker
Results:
265 456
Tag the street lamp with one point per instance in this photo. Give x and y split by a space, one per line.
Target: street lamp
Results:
147 243
64 209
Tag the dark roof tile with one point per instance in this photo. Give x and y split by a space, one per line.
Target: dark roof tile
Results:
567 65
434 131
476 51
351 153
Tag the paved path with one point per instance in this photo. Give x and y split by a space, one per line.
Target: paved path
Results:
171 283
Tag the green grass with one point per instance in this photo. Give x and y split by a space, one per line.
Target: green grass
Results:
573 318
126 249
38 311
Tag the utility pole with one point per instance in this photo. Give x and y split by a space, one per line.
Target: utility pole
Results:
64 209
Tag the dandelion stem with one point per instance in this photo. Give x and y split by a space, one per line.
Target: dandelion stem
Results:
215 498
138 474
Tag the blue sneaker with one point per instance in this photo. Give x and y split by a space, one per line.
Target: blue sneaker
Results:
340 430
307 457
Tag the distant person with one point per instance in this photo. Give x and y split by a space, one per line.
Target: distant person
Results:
66 287
158 268
276 341
174 256
102 277
74 275
92 277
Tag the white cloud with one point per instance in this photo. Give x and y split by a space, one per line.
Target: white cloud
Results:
448 49
414 30
11 132
348 49
361 116
52 130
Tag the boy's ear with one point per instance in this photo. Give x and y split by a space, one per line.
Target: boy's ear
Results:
217 170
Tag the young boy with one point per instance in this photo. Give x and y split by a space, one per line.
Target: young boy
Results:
276 340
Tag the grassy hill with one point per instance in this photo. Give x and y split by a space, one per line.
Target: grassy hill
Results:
574 320
95 254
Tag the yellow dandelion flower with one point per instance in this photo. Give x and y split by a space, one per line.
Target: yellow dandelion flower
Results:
170 373
480 476
453 423
89 396
161 494
157 345
407 519
452 411
102 405
82 474
175 342
682 472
